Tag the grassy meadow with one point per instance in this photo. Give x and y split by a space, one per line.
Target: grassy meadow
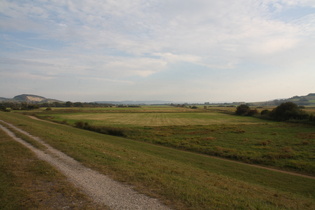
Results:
151 155
209 131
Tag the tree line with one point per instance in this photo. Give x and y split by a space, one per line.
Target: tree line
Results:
287 111
7 106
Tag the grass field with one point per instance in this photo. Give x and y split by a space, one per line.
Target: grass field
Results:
183 180
28 183
152 119
284 145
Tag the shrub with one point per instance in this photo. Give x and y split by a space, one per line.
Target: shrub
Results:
265 112
80 124
100 129
242 109
288 111
252 112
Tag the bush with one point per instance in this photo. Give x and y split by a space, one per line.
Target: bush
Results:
242 109
100 129
265 112
252 112
288 111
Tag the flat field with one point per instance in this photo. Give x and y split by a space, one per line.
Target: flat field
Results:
209 131
181 179
152 119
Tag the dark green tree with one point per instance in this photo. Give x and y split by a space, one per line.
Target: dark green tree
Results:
242 109
69 104
287 111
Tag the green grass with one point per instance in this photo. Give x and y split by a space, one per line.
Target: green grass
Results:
25 137
147 109
276 144
283 145
182 179
151 119
28 183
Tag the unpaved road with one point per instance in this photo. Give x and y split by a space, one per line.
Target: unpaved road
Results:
99 187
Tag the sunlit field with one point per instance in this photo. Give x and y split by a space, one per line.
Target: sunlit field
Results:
181 179
209 131
154 119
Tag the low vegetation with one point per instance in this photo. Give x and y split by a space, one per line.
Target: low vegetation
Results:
287 111
100 129
147 152
28 183
252 140
183 180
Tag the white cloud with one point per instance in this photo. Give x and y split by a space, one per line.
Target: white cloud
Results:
122 40
24 75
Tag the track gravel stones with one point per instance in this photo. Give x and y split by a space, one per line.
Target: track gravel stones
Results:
99 187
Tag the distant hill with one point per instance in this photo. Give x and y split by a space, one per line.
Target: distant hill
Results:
308 100
303 100
133 102
28 98
3 99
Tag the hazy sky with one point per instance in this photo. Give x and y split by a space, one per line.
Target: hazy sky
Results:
176 50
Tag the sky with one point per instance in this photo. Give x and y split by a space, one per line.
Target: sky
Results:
171 50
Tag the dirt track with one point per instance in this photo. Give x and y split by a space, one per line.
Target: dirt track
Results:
99 187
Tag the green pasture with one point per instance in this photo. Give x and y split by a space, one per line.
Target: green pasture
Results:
116 109
151 119
183 180
283 145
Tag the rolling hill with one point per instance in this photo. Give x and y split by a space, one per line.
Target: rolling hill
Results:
28 98
307 100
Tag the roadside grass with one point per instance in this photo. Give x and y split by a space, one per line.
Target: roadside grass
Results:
287 146
25 138
28 183
182 179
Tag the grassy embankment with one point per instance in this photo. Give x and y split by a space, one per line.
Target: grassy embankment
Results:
28 183
182 179
282 145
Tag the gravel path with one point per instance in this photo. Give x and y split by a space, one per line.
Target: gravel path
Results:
99 187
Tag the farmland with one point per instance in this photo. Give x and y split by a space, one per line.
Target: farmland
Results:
164 153
283 145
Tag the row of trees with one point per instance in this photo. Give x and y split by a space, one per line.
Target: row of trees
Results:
6 106
284 112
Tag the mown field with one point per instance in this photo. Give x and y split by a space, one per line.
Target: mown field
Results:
181 179
209 131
